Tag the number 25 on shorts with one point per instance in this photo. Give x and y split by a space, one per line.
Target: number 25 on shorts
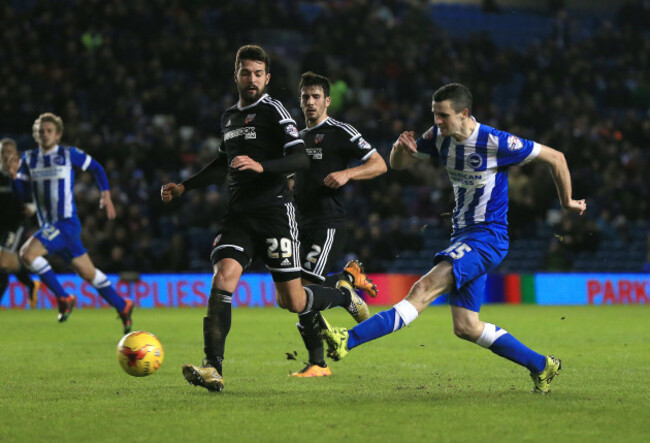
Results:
457 250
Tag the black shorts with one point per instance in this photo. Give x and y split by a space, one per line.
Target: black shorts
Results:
10 239
319 249
272 235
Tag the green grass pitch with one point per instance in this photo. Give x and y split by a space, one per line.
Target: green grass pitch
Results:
62 382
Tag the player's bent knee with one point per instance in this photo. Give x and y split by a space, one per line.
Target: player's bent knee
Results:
467 331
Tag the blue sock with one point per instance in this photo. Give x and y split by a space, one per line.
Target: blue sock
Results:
509 347
48 277
108 293
380 324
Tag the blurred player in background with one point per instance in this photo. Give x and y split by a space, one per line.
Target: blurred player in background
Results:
12 217
46 175
262 144
331 146
476 157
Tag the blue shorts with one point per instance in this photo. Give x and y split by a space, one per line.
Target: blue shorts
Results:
62 238
474 251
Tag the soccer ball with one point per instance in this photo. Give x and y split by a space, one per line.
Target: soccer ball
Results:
140 353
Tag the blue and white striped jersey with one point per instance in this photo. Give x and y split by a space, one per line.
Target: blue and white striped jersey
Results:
477 168
49 178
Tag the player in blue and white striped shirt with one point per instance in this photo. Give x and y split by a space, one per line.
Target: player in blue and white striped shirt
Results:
476 158
46 176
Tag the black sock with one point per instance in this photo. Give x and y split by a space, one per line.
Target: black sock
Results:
332 280
24 276
309 329
4 282
320 298
216 327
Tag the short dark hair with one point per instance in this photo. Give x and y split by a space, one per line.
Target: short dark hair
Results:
459 95
313 79
252 52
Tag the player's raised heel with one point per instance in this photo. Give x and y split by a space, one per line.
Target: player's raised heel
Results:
312 370
125 315
66 305
543 379
205 376
336 339
359 278
357 308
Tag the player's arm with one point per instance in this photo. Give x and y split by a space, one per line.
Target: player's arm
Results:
371 168
295 160
105 201
201 179
562 178
404 151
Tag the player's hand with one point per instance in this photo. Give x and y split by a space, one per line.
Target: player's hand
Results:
577 206
337 179
245 163
406 142
171 191
106 202
11 166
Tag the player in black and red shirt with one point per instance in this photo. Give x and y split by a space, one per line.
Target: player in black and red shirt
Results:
332 147
262 144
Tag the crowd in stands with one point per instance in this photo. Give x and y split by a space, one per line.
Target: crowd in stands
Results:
141 86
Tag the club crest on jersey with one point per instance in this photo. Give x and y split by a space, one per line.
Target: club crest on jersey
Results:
291 130
59 160
474 160
363 144
318 139
514 143
428 135
249 118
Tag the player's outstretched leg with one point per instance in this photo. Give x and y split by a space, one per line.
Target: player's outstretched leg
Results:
341 340
205 376
543 379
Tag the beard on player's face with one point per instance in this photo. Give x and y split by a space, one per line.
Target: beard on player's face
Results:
250 93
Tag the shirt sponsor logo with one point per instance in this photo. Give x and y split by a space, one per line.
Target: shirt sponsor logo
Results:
249 118
315 153
49 173
466 178
474 160
248 132
291 130
514 143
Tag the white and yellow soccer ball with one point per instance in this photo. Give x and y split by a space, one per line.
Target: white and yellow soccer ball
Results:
140 353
